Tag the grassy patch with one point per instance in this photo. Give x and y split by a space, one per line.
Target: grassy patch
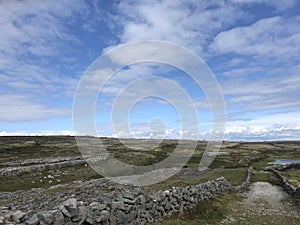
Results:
260 165
234 176
231 166
47 179
207 212
293 177
261 176
224 162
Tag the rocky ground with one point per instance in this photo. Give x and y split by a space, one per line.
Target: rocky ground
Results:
45 199
112 206
88 191
39 173
264 203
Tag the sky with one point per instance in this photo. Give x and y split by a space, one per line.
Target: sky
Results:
251 46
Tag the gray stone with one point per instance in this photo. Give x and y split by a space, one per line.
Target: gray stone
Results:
104 216
142 199
130 201
128 196
89 219
2 220
81 216
149 205
64 211
2 208
118 205
124 206
112 220
69 207
47 216
17 216
120 215
33 220
59 218
97 206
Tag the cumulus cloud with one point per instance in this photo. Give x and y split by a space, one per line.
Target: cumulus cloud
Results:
144 131
257 80
189 23
268 38
254 133
256 58
269 127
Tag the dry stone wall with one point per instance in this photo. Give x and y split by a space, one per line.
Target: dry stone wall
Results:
135 207
287 187
245 185
39 165
132 207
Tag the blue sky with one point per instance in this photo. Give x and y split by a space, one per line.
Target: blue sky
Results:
252 46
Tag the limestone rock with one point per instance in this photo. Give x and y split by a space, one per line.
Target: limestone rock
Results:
33 220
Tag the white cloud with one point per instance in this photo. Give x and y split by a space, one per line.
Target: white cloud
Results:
15 108
33 33
194 23
292 118
244 71
269 38
279 5
278 126
115 81
43 132
281 126
38 32
142 131
259 89
189 23
34 27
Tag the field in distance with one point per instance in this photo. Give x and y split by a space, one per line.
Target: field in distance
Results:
26 151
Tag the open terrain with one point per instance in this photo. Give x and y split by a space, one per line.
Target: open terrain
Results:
35 170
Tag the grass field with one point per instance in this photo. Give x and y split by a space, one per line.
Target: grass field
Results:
208 212
231 165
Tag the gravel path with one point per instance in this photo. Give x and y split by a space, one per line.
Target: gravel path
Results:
264 203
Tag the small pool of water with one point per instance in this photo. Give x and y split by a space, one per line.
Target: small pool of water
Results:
285 161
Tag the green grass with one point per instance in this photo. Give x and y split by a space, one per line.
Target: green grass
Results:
234 177
232 166
261 176
293 177
27 181
215 211
224 162
140 158
207 212
260 165
23 151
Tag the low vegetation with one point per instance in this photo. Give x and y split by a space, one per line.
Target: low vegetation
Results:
293 177
209 212
231 164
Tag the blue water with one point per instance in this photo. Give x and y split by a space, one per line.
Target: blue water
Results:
286 161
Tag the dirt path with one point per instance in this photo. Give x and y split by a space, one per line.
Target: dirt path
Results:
264 204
